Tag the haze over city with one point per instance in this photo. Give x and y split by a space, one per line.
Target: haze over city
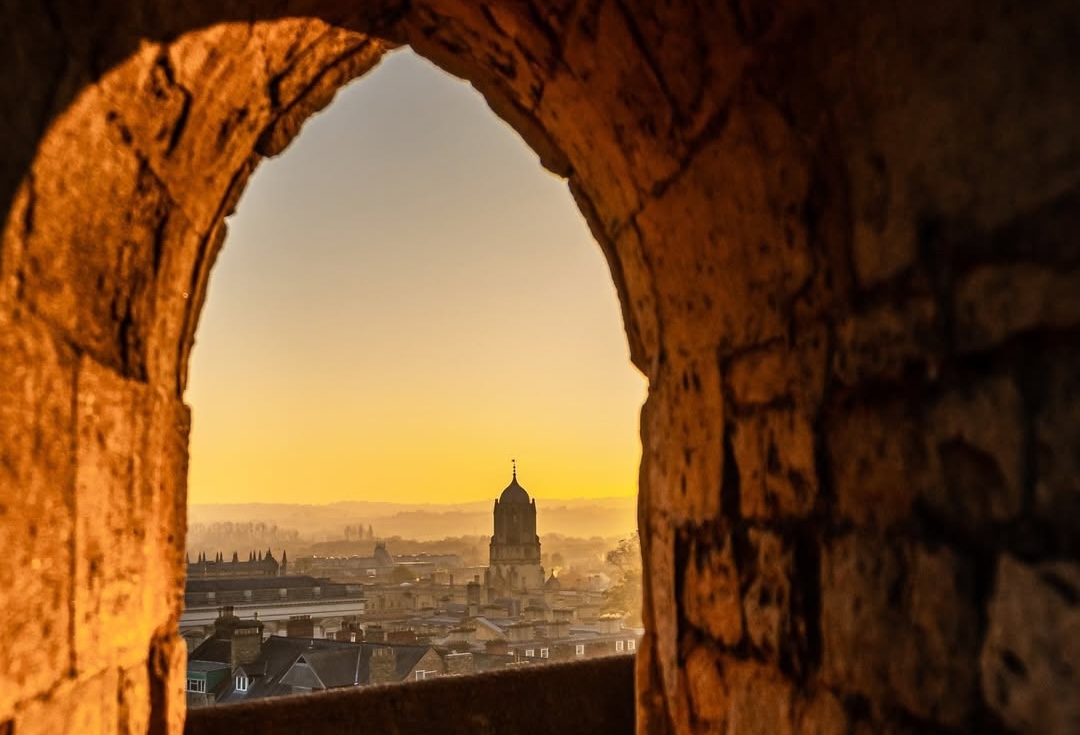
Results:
406 300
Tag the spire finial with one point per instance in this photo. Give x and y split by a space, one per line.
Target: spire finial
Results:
513 464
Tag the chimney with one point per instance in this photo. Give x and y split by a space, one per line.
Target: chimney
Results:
383 666
244 636
246 643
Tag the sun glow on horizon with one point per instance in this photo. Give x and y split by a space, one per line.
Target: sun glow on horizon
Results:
405 302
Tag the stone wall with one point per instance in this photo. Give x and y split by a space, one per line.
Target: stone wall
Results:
843 237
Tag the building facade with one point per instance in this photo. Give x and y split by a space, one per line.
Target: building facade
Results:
514 554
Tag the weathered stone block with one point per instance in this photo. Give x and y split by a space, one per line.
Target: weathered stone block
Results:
133 701
515 57
85 706
821 713
160 477
879 462
933 672
659 576
219 129
1057 447
692 56
710 590
572 108
994 303
167 669
774 452
730 695
899 625
684 419
976 436
305 83
1029 659
180 251
707 686
781 371
112 518
883 234
767 578
87 267
37 479
761 700
730 240
889 342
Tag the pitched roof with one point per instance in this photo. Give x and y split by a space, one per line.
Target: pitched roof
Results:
315 663
213 649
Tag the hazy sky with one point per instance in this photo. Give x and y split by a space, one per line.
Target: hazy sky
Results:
405 301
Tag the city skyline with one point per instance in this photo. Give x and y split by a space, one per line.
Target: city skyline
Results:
405 302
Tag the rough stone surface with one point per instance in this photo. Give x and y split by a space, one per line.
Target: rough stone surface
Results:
821 714
37 522
710 598
767 581
977 435
109 629
844 239
774 451
1057 447
997 302
781 372
729 695
899 626
684 437
1029 658
879 463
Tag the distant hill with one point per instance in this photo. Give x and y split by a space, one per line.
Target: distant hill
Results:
587 517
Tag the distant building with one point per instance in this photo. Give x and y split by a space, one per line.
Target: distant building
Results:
279 602
514 553
257 565
381 565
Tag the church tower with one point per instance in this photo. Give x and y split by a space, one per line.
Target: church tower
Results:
514 554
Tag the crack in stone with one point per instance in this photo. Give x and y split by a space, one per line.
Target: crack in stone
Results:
164 62
263 145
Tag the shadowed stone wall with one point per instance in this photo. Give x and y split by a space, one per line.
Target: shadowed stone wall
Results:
844 239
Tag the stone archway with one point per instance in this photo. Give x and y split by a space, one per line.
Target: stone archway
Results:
842 238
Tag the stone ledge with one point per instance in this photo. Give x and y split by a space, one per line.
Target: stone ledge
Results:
580 698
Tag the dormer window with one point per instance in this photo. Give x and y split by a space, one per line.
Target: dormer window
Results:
241 683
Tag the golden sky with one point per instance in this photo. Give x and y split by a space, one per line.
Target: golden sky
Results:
407 300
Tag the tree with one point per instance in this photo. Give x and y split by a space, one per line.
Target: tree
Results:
627 555
624 594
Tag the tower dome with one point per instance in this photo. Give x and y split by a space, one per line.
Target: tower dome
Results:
514 493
